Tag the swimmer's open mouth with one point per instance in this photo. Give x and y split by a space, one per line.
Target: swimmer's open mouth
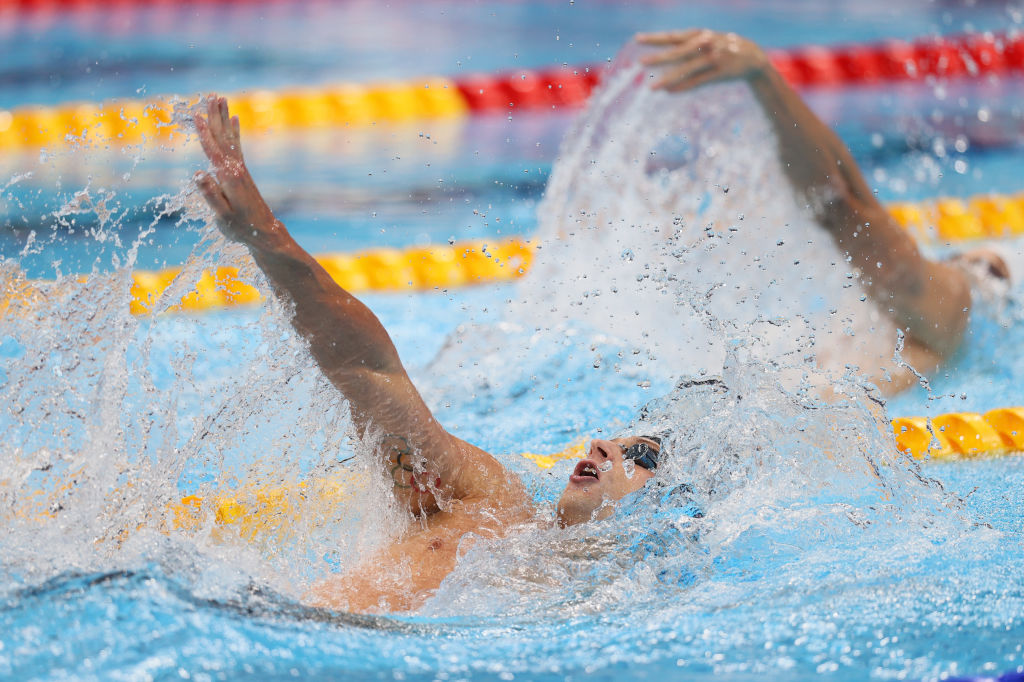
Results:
584 470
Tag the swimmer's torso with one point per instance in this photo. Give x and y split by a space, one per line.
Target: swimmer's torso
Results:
403 575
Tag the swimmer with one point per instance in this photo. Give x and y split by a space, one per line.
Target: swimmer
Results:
454 487
926 299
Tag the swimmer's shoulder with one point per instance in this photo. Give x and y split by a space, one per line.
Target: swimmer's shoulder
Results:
490 487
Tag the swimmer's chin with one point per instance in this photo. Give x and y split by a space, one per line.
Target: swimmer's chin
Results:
566 516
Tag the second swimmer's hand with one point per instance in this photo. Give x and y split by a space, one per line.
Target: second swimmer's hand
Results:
242 214
697 57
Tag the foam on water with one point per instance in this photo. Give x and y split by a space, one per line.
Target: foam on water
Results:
784 536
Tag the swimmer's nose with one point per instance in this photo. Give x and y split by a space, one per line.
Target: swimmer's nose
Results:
602 448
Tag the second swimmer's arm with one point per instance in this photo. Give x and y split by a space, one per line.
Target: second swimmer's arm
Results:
928 299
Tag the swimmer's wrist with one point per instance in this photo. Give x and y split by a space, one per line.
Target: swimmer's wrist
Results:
763 74
271 236
770 88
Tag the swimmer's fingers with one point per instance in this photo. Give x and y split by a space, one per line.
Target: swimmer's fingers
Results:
667 37
216 109
211 137
697 78
682 51
225 117
219 138
229 130
213 194
217 133
695 72
206 139
723 57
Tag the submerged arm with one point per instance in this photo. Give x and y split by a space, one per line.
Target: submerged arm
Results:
347 340
926 298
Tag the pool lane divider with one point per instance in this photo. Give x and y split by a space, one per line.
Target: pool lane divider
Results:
425 268
960 435
451 266
984 216
269 513
136 121
420 268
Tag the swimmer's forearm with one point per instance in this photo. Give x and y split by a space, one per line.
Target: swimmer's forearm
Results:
927 299
923 297
343 333
826 176
813 156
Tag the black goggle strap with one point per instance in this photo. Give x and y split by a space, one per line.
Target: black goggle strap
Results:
643 454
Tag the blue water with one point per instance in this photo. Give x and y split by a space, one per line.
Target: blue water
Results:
806 565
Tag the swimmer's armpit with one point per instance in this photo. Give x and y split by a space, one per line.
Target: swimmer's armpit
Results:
408 478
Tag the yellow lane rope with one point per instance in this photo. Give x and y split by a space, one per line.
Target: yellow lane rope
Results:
137 121
983 216
470 263
272 512
467 263
962 434
416 268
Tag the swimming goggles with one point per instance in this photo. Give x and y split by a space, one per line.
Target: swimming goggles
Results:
642 453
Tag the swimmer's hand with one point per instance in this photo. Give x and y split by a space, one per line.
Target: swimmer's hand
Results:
242 214
696 57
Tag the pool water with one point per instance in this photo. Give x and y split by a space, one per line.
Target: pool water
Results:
818 552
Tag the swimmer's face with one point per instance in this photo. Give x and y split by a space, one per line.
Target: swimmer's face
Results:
600 480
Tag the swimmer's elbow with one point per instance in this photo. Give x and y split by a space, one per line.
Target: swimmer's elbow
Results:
945 309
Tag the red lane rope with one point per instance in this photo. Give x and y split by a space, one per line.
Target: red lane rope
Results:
541 89
968 56
984 55
50 5
973 56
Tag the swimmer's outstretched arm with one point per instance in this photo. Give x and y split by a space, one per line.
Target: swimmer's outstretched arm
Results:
347 340
929 300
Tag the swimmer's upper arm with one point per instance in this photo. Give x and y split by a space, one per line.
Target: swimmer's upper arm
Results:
425 462
356 353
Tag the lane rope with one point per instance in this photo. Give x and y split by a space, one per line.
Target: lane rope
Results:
137 121
984 216
416 268
270 512
960 435
444 266
471 263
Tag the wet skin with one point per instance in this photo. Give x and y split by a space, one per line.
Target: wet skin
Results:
403 575
601 479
